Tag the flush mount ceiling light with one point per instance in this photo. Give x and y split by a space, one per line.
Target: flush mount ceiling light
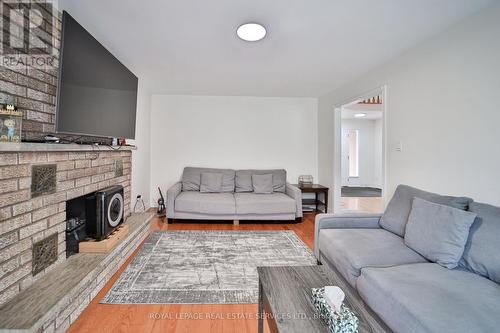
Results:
251 32
360 115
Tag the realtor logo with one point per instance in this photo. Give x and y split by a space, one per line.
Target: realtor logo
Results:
28 33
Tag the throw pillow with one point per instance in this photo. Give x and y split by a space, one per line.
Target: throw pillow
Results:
396 215
211 182
262 184
243 179
438 232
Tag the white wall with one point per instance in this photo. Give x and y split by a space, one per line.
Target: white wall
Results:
141 158
378 153
370 165
442 105
232 132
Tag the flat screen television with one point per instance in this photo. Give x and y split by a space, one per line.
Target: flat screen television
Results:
96 93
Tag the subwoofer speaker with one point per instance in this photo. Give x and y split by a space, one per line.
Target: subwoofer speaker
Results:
104 211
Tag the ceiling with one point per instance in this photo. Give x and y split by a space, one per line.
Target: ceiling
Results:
373 111
312 47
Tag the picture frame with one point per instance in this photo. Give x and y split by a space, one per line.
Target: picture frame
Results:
10 124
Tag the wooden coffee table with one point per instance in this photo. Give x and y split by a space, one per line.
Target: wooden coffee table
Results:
285 300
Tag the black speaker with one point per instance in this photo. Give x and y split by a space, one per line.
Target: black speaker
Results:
104 211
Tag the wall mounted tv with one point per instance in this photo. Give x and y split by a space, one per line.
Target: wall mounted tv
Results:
96 93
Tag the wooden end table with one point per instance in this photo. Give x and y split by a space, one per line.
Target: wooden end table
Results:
285 300
316 189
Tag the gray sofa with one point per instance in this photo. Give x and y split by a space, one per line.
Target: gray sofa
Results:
235 199
407 291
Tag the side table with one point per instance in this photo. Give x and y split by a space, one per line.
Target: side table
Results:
321 206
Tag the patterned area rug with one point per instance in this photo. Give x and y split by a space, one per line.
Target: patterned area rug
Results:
205 267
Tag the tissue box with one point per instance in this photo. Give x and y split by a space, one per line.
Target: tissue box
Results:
343 322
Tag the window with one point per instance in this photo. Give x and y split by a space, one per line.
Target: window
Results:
353 142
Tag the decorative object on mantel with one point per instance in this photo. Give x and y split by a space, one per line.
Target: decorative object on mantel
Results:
10 123
343 321
305 180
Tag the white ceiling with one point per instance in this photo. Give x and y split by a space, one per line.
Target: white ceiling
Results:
373 111
312 47
372 115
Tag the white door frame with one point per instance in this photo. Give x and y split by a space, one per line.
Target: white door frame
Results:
337 145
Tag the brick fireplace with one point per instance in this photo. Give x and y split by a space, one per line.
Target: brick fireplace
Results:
36 180
34 188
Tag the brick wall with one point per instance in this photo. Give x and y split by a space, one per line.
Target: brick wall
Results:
25 220
32 90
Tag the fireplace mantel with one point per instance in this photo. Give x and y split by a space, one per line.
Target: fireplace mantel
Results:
41 147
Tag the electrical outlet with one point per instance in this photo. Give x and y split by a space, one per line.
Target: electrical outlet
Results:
399 146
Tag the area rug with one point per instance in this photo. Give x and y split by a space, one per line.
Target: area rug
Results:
205 267
350 191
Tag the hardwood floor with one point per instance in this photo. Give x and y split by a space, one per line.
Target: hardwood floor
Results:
362 205
192 318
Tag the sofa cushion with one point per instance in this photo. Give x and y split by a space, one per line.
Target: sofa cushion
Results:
438 232
262 184
350 250
191 178
431 298
211 182
482 251
243 180
205 203
398 209
275 203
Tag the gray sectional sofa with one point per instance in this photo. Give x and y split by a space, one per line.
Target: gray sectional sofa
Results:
225 194
410 292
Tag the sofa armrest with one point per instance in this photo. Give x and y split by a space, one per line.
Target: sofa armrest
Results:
343 221
172 193
296 194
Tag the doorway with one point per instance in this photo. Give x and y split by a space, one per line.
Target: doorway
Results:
360 154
